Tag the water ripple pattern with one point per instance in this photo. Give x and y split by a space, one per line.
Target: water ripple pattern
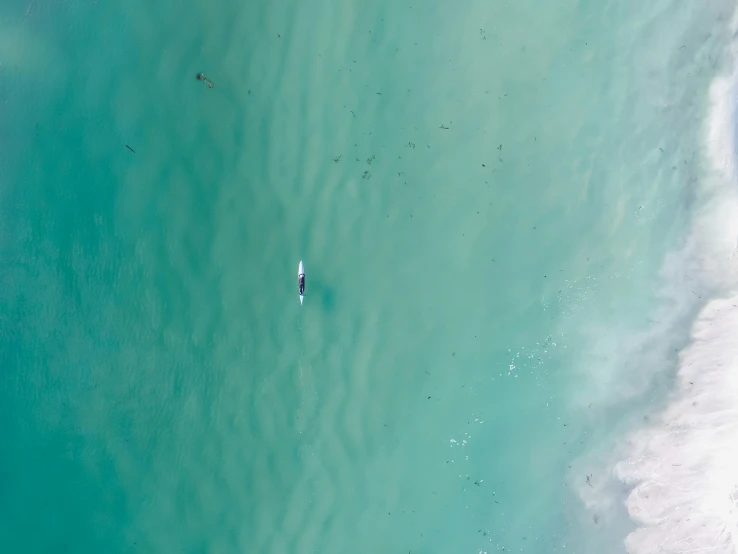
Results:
469 187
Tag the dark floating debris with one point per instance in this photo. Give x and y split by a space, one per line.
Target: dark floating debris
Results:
131 149
208 82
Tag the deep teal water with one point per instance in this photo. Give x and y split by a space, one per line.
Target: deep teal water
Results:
483 196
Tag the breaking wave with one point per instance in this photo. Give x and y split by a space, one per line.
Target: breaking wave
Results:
681 470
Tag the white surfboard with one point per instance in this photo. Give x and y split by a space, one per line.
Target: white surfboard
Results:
301 280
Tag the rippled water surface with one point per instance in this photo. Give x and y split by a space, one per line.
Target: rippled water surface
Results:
483 196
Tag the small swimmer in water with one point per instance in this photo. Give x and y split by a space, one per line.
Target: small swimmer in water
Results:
201 77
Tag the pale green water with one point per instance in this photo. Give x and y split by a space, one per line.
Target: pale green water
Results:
163 389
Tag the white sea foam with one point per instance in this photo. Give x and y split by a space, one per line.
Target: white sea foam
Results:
682 469
678 472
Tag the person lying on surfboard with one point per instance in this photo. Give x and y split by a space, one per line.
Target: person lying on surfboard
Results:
201 77
301 280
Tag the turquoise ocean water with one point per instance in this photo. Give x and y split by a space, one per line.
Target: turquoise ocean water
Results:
514 219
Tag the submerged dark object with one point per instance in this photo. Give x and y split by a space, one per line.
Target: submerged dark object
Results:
202 77
131 149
